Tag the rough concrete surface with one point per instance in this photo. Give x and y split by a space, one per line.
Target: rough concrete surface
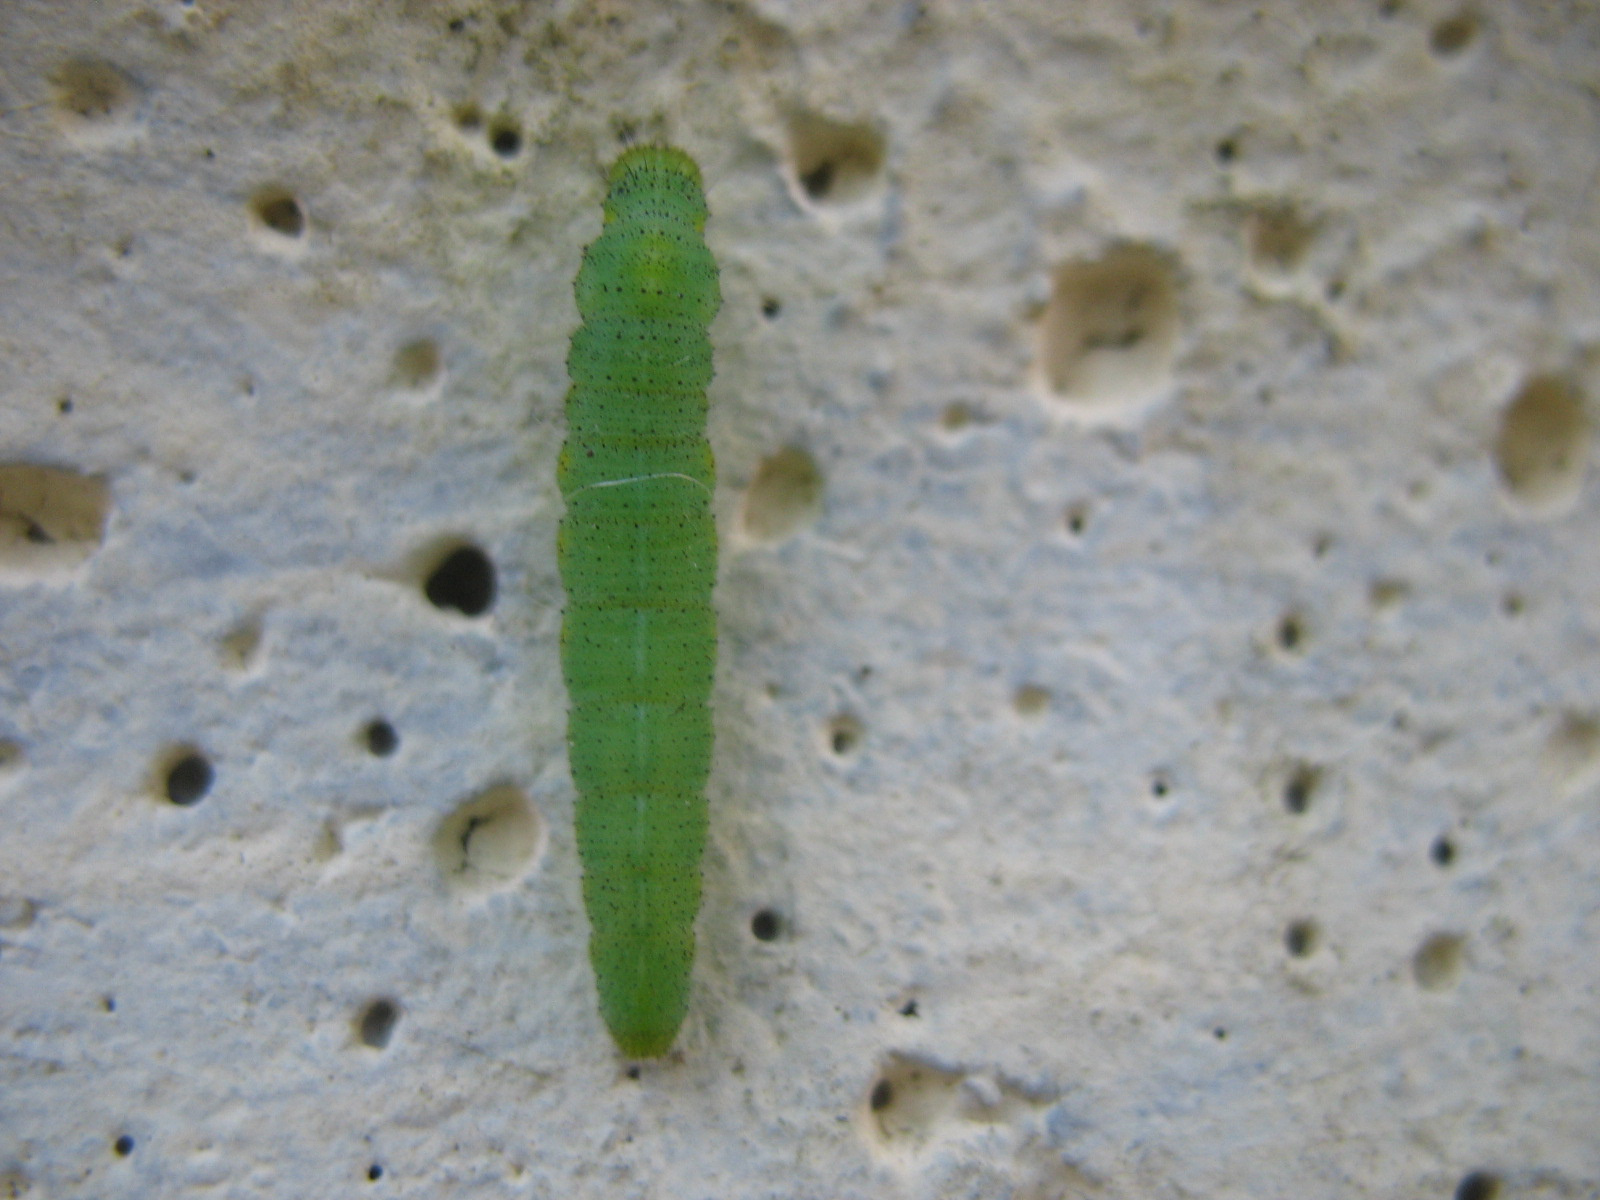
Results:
1158 703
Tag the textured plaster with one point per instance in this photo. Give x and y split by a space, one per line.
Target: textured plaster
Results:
1159 693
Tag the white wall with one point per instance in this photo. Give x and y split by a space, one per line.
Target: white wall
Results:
1159 694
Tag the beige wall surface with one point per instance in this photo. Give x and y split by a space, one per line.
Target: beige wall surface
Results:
1158 697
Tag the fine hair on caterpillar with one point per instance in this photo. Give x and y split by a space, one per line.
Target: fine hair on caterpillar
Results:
604 483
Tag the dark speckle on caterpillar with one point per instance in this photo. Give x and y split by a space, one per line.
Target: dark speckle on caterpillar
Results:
638 557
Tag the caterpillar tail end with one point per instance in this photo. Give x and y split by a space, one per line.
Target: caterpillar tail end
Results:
639 1033
644 1043
643 988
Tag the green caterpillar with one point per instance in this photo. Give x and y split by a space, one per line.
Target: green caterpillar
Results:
638 556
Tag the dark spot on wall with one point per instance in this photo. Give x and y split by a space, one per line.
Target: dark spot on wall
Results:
189 779
1436 966
818 181
1030 700
1479 1185
416 364
1300 938
765 925
377 1023
279 211
1291 633
464 581
844 735
955 417
1278 237
1299 788
1452 35
505 139
380 737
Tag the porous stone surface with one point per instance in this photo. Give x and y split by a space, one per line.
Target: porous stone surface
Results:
1158 703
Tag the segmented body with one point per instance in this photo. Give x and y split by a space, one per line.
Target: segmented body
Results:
638 556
